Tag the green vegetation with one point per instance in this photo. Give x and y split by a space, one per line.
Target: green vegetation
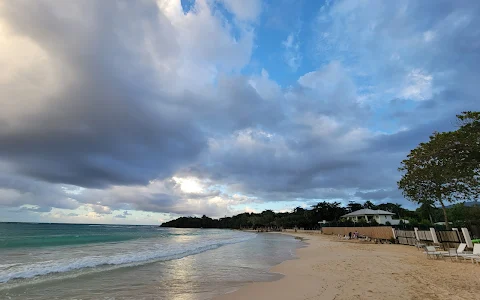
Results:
460 214
446 168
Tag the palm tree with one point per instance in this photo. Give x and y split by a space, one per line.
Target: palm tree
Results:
426 209
368 204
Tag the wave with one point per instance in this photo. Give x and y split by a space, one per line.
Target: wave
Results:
63 240
25 271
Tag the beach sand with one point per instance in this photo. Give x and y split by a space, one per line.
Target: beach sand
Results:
329 268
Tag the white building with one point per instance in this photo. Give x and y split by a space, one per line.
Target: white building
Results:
381 216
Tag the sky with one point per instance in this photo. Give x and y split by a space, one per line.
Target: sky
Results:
138 112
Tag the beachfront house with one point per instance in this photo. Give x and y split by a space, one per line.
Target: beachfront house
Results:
381 216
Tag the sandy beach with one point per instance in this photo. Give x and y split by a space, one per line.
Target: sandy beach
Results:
329 268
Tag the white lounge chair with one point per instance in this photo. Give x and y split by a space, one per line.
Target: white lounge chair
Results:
452 252
475 256
458 252
432 252
475 260
461 248
420 245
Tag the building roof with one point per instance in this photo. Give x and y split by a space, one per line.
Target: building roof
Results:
368 212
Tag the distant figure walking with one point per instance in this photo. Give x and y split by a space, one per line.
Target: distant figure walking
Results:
350 235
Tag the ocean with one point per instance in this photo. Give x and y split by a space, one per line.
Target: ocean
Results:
78 261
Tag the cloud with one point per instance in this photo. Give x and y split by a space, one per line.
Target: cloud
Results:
111 108
251 210
246 10
35 208
292 55
105 115
16 190
166 196
265 87
100 209
380 195
410 61
123 215
418 86
98 126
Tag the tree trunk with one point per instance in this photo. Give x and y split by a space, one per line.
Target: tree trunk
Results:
447 225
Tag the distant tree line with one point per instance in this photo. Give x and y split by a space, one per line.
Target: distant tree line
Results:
425 215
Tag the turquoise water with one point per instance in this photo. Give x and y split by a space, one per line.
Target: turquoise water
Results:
19 235
65 261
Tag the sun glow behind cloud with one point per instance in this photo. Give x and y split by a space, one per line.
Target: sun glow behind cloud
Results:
189 185
141 111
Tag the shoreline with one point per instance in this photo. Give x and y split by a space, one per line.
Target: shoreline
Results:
328 268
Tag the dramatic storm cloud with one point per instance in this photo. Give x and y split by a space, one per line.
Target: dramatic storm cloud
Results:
139 111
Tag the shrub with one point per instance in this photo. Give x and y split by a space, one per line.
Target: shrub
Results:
426 223
412 222
362 221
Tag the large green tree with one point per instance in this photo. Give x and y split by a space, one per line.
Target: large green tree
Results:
354 206
395 208
427 211
328 211
369 205
446 168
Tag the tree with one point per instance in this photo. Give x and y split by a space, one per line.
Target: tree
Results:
463 215
395 208
446 168
268 217
328 211
368 204
458 212
353 206
427 210
467 150
298 210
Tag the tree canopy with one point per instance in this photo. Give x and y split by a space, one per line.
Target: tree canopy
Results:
446 168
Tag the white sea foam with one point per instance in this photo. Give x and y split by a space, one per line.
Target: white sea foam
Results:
7 266
136 254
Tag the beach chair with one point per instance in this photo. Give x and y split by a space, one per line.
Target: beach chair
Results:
432 252
452 253
420 245
477 260
475 255
461 248
456 252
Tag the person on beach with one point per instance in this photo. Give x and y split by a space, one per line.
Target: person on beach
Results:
350 235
